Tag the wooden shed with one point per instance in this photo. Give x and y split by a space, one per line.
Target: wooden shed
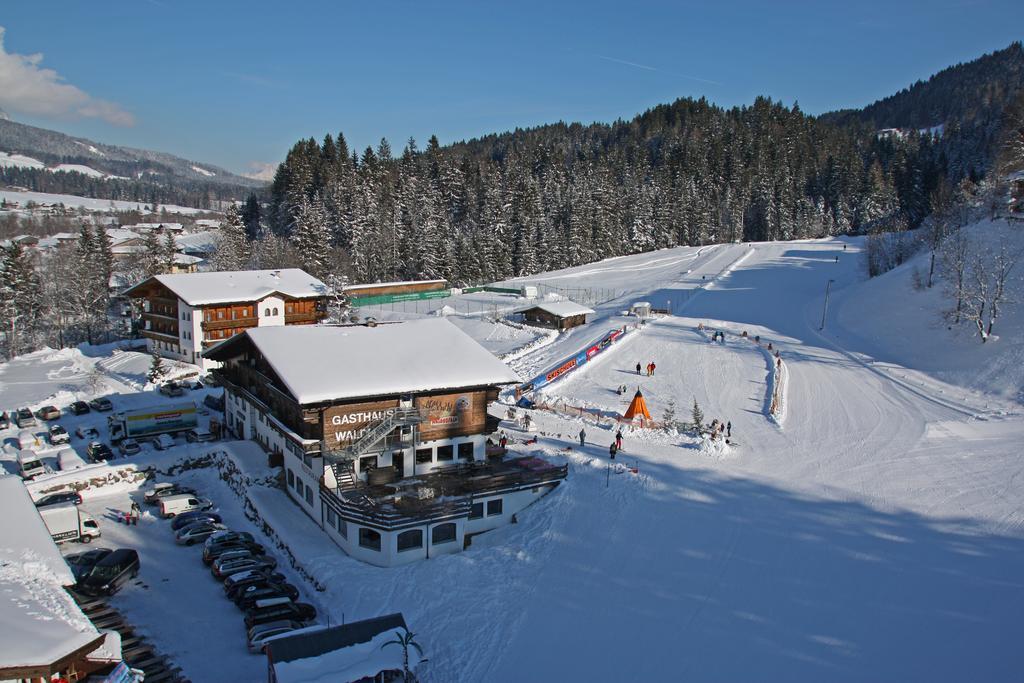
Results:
559 315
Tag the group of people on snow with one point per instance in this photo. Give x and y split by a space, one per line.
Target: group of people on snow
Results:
650 368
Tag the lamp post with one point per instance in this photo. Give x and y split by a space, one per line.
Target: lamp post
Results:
824 308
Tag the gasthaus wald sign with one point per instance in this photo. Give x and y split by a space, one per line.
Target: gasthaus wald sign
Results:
444 416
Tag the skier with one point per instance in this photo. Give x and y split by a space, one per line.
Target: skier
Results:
653 366
611 451
583 438
728 428
503 441
136 512
638 368
837 258
526 422
618 440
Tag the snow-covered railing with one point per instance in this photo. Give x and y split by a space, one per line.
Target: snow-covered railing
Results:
775 394
568 365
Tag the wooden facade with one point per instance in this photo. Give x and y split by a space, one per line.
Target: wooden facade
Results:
390 288
538 316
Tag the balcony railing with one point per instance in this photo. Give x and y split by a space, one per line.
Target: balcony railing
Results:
234 322
162 336
391 516
303 318
155 315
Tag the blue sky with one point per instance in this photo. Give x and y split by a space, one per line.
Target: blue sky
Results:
233 83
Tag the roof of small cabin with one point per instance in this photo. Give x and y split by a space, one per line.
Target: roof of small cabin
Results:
197 289
319 363
348 652
41 622
561 309
375 285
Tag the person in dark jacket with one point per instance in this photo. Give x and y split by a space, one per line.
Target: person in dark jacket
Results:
638 368
618 440
612 450
728 428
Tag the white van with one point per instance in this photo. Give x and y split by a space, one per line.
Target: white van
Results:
30 464
185 502
27 441
68 459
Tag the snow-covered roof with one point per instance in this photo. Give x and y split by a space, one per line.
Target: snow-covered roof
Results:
40 621
198 289
205 241
146 227
349 652
375 285
327 363
122 235
562 309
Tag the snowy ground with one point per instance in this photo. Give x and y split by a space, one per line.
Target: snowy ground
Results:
876 534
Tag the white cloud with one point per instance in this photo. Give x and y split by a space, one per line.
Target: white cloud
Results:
27 88
262 170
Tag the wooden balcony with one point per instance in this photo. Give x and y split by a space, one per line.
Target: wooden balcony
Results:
152 315
160 336
303 318
226 324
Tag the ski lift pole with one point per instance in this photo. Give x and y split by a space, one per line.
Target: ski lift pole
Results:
607 474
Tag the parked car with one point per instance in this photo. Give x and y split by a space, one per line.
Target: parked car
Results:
82 563
186 518
197 531
233 554
191 383
183 502
163 442
198 435
276 609
103 405
78 408
172 389
24 418
130 447
164 489
247 598
214 552
60 499
49 413
214 402
263 563
99 452
212 380
58 435
236 583
261 633
112 572
5 422
229 536
87 433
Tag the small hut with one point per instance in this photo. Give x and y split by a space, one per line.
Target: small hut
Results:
641 309
560 315
637 408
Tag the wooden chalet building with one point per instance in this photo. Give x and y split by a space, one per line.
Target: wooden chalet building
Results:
559 315
383 431
186 313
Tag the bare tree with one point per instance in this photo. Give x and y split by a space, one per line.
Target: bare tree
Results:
990 271
954 257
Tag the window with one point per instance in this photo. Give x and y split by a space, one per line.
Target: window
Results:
476 511
424 455
445 453
466 451
368 538
287 309
291 479
367 463
266 311
342 527
332 517
309 496
220 315
275 310
442 533
494 507
410 540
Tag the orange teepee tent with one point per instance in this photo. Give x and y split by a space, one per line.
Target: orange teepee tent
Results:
637 407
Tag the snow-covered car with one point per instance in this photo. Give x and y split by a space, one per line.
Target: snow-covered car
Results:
5 422
198 435
163 442
260 634
99 452
264 563
186 518
164 489
48 413
103 405
130 447
78 408
236 583
196 532
87 433
24 418
58 435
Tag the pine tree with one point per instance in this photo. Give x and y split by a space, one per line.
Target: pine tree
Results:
168 253
312 237
697 417
233 249
21 303
157 369
669 416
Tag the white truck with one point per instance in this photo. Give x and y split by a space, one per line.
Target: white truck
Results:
30 464
147 423
67 523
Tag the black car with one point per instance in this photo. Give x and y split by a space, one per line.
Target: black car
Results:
79 408
294 611
82 563
59 499
234 585
99 452
246 600
186 518
228 536
213 552
101 404
110 573
214 402
5 422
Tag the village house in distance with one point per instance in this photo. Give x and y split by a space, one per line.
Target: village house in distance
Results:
383 431
184 314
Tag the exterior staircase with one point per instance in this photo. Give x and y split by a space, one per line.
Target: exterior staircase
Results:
402 417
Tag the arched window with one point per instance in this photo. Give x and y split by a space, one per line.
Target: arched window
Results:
368 538
266 312
275 310
442 533
410 540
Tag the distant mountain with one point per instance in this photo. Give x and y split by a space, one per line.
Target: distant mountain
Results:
964 102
